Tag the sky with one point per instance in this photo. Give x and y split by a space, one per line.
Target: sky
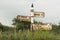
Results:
11 8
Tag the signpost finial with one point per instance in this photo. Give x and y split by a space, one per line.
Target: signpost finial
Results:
32 5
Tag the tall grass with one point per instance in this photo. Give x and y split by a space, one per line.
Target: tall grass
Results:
28 35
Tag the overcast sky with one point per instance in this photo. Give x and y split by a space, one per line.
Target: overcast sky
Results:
11 8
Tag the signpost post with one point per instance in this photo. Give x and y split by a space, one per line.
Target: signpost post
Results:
35 14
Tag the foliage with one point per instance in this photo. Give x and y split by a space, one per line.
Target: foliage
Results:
8 34
38 22
4 28
21 24
1 27
28 35
56 29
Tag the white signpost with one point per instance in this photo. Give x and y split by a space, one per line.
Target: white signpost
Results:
40 14
35 14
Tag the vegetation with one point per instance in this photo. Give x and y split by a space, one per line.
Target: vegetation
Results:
28 35
23 25
53 34
38 22
56 29
4 28
10 33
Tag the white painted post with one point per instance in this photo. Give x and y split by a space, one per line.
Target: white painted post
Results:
32 13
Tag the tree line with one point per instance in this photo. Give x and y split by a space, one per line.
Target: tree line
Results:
24 25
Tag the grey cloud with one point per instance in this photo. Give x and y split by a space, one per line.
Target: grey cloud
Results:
11 8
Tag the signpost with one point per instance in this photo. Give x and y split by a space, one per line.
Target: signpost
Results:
40 14
35 14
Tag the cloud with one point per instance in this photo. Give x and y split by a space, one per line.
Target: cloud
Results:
11 8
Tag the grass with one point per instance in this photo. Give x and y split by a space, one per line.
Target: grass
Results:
28 35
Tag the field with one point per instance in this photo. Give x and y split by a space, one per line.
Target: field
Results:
28 35
8 33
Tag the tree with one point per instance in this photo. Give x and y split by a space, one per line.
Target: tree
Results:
56 28
21 24
1 27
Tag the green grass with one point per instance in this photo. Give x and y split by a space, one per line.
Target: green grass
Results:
28 35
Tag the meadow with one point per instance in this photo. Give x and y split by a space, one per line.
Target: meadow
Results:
9 33
29 35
